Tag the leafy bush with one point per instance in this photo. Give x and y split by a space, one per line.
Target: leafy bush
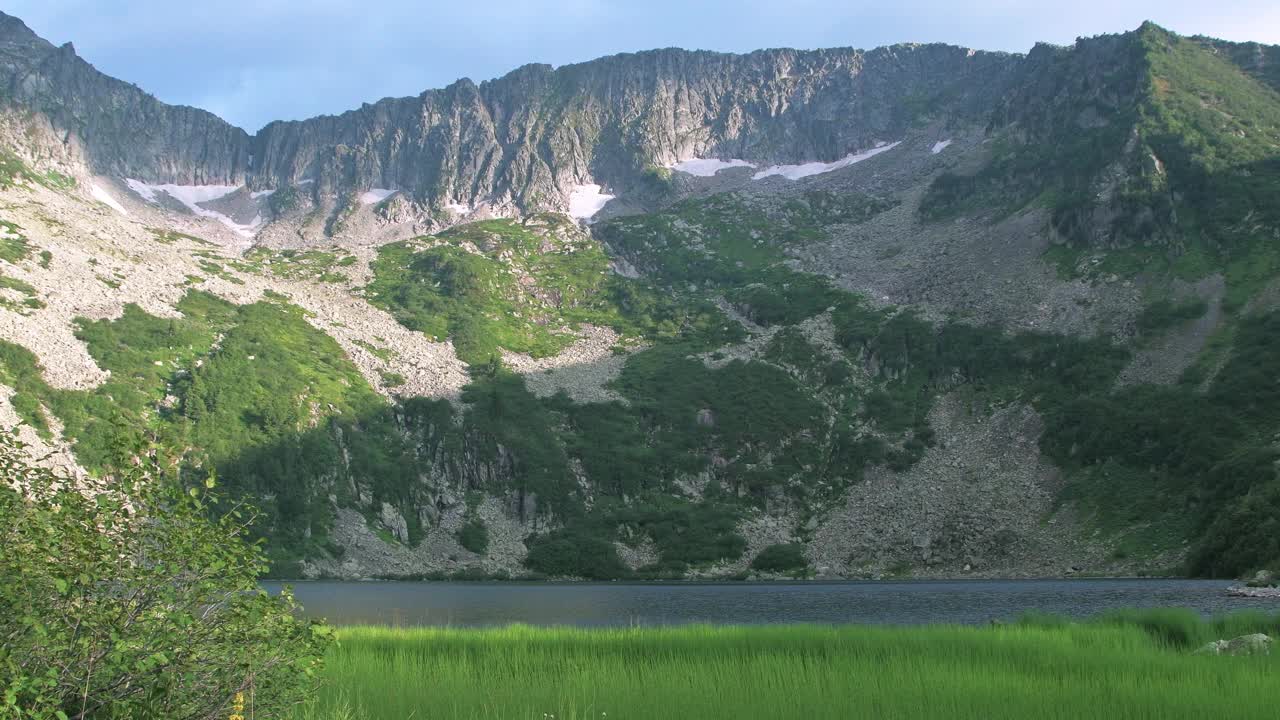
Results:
1164 314
687 533
14 246
781 558
474 536
1244 536
575 553
121 599
784 297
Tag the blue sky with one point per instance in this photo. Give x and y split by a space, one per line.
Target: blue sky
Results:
252 61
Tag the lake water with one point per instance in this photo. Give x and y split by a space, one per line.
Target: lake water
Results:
621 604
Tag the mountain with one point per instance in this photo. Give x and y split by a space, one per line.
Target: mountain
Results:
915 310
116 127
523 142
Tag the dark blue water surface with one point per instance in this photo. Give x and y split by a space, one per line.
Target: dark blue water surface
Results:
603 604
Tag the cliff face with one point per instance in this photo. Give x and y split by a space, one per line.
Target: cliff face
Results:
526 138
117 128
522 141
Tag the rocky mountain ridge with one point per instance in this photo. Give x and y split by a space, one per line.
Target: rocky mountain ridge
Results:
522 142
978 338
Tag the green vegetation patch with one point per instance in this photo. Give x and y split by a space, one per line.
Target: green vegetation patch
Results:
14 247
1165 314
519 286
214 265
1173 458
318 265
574 553
168 237
1192 140
796 671
474 536
253 393
21 297
781 558
13 171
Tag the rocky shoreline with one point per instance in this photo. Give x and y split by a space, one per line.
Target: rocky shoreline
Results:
1254 592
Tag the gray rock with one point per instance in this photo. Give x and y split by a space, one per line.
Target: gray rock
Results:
393 521
1255 644
1253 592
121 130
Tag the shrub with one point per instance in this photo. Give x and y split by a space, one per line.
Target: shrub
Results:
688 534
1164 314
575 553
781 558
121 599
474 536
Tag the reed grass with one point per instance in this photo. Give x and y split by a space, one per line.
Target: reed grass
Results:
1040 668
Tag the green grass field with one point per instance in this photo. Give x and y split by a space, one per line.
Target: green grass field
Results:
1038 669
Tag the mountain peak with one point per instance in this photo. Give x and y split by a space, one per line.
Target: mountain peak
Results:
13 30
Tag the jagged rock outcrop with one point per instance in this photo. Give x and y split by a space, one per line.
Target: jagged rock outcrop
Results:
523 141
116 128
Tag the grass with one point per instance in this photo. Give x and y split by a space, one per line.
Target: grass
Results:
30 301
14 172
521 286
319 265
169 237
1195 138
14 247
1042 669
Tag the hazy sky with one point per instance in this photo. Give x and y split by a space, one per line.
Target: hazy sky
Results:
252 61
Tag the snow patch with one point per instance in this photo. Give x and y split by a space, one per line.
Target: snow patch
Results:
192 195
940 146
189 195
261 194
707 167
795 172
459 209
587 200
373 196
101 196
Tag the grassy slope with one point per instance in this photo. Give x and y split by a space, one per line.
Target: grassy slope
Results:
1177 460
519 286
1048 671
253 393
1199 143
